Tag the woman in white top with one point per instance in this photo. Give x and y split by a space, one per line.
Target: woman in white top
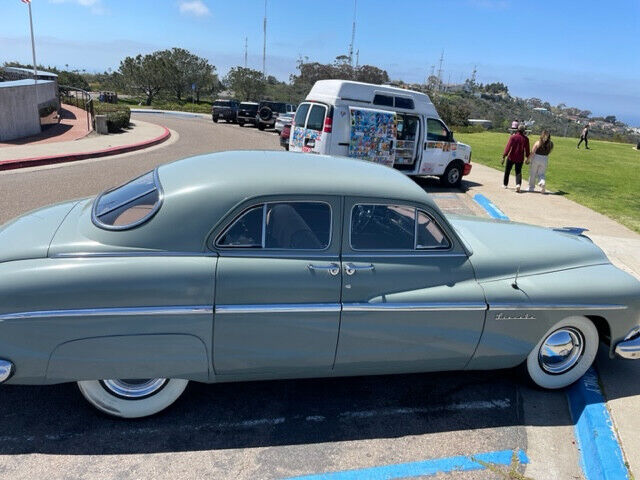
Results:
539 159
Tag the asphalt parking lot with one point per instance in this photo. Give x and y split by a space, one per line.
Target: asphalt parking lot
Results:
273 429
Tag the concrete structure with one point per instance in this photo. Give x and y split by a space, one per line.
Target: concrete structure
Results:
18 73
21 104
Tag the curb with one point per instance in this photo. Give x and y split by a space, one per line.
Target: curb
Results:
171 112
72 157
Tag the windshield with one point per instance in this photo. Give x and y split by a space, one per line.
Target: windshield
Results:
222 103
128 205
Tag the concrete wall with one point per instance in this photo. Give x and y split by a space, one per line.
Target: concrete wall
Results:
19 115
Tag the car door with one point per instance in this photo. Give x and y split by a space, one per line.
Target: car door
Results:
437 148
277 299
298 125
410 299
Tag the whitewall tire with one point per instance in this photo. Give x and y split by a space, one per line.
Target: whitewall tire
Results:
132 398
564 353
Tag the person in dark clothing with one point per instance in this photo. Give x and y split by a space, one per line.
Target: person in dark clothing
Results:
584 138
515 152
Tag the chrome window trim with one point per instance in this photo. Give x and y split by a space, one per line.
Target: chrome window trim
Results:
263 247
96 221
415 231
279 308
407 254
555 306
132 254
414 307
112 312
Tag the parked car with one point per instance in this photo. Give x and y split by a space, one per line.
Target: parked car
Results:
395 127
268 113
284 136
248 113
266 265
282 120
224 110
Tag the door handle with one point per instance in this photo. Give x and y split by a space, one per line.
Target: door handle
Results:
350 268
308 142
332 268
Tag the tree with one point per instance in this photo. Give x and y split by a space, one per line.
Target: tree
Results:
610 119
371 74
186 72
144 74
247 84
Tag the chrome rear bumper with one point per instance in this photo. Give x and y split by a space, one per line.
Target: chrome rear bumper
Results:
629 348
6 370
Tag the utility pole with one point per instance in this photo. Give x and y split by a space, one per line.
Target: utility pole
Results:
440 70
357 58
245 51
264 43
353 32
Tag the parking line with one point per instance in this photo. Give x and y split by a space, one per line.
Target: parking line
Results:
600 452
490 207
425 467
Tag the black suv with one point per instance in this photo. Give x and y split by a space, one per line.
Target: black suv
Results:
224 109
269 111
248 113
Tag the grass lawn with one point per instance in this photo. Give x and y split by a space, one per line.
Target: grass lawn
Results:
605 178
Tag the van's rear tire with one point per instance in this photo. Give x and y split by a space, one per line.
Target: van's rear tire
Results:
452 176
215 119
241 123
261 126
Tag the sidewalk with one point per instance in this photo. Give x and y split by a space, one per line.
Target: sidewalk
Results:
140 135
622 246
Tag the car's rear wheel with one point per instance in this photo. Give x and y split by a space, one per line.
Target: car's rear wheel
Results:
241 123
132 398
564 354
215 119
452 175
261 126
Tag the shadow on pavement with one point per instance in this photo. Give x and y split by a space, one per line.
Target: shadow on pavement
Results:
432 184
56 419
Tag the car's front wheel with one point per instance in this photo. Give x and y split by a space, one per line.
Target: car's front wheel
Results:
564 354
215 119
132 398
452 175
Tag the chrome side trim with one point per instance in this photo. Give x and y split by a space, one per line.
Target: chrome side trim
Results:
143 253
279 308
413 307
408 254
555 306
6 370
112 312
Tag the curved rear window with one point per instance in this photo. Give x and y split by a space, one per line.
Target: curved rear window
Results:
128 205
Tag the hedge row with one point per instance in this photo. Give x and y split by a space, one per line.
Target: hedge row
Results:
118 116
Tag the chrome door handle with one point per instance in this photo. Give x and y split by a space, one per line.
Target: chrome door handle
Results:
332 268
350 268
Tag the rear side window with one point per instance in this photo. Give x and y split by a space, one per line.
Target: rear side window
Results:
402 102
394 227
281 225
385 100
129 205
316 118
301 115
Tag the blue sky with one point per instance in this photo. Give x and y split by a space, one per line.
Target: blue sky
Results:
583 53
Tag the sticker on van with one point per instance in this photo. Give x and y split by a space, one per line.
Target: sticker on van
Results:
372 135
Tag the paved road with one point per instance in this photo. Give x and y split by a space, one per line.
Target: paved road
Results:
268 429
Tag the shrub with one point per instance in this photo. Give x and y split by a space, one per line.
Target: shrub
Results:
118 116
469 129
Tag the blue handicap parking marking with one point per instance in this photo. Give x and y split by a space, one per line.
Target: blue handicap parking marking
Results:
490 207
600 452
425 468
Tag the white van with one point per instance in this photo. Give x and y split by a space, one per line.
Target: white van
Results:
388 125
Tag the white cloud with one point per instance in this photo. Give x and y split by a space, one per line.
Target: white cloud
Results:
95 6
193 7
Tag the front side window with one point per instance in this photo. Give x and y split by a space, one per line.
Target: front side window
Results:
394 227
301 115
281 225
436 131
129 205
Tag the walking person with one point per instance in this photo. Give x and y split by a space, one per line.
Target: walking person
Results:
515 152
584 138
539 159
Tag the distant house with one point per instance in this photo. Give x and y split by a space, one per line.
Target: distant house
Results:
480 121
541 110
16 73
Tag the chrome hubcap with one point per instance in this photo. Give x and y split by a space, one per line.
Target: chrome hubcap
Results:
561 351
134 388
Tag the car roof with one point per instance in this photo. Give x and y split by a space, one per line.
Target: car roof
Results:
243 174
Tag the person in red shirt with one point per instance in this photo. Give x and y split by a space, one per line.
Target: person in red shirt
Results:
515 152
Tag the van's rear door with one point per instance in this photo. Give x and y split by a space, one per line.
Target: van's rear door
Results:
298 126
372 135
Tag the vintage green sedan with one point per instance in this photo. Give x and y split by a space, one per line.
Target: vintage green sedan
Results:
267 265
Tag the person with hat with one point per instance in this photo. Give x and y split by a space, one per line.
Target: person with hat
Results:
515 152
